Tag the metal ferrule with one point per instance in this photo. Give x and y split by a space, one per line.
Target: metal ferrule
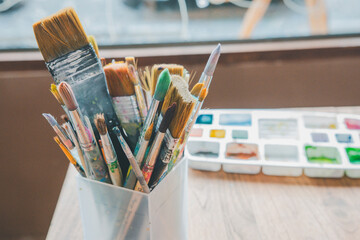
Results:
126 109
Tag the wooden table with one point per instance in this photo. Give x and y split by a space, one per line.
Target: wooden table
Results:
234 206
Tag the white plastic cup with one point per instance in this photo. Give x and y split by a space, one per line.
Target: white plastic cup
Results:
110 212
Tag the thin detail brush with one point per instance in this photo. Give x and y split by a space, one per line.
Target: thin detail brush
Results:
209 70
148 167
161 89
94 160
109 152
132 160
70 157
139 94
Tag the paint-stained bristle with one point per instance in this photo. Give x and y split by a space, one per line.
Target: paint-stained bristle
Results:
118 80
132 75
162 85
195 91
203 94
185 102
59 34
149 132
100 124
54 91
169 114
68 97
174 69
64 117
93 42
130 61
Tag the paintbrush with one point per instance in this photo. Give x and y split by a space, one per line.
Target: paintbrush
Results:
71 58
139 94
160 92
94 161
122 92
174 69
93 43
148 167
185 102
180 146
133 163
145 80
209 70
70 157
70 130
55 93
109 152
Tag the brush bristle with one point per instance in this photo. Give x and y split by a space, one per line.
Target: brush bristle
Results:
132 75
213 60
149 132
162 85
52 121
203 95
185 102
54 91
174 69
59 34
145 78
93 42
68 97
131 61
118 80
169 114
64 117
100 124
195 91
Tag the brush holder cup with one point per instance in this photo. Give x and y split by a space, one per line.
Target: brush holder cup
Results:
110 212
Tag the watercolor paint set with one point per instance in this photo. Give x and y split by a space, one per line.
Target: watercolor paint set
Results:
279 143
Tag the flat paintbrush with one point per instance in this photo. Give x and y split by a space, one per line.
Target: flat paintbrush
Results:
122 92
109 152
185 102
148 167
160 92
94 161
174 69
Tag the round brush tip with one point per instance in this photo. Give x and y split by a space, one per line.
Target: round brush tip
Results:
162 85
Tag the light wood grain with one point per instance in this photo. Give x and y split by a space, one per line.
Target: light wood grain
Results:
235 206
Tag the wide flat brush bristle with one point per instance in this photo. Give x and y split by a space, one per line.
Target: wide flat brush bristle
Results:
149 132
131 61
185 102
174 69
195 91
169 114
68 97
93 42
54 91
59 34
118 80
100 124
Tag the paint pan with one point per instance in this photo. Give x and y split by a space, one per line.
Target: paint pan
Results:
244 152
278 129
319 137
235 119
282 154
204 150
344 138
353 155
353 124
320 122
323 158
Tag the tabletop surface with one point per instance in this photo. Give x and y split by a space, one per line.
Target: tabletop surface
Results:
238 206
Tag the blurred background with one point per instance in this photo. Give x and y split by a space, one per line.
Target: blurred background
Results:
276 53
